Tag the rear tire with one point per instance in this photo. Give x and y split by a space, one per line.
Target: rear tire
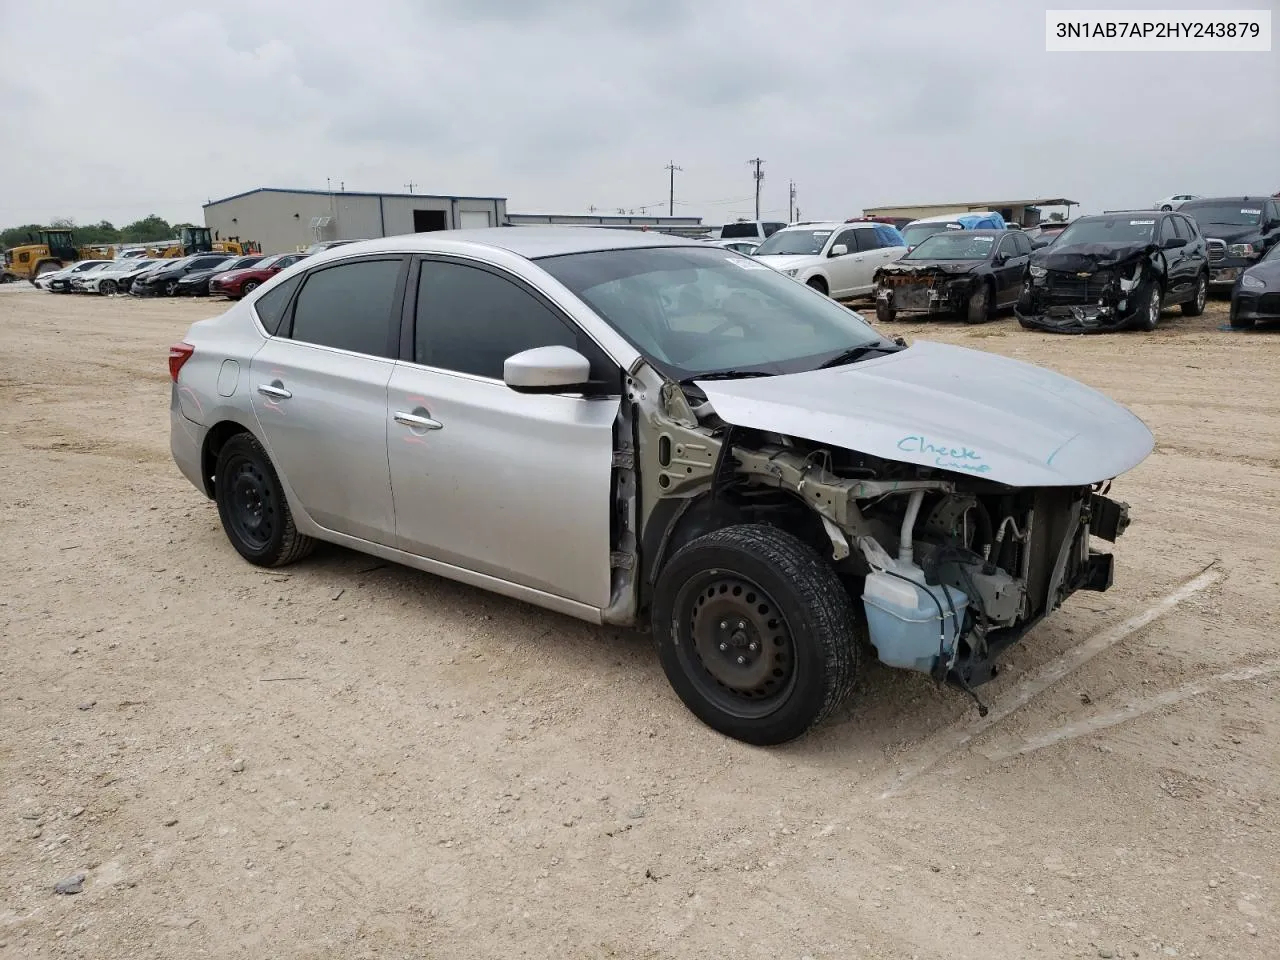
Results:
251 504
1195 306
978 309
756 633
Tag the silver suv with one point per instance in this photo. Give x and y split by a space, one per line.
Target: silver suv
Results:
640 430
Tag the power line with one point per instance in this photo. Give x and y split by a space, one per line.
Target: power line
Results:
671 196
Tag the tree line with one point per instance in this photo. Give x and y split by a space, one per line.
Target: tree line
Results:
147 230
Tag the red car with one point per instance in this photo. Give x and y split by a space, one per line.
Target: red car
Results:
238 283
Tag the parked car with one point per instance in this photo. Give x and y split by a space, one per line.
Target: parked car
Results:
196 283
757 230
1174 202
108 279
747 247
239 283
59 281
917 230
676 436
972 273
1043 234
163 280
1239 231
838 259
138 267
1116 271
1256 295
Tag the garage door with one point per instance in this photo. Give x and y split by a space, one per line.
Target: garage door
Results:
474 219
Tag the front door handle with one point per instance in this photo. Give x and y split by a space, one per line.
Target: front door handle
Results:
274 390
414 420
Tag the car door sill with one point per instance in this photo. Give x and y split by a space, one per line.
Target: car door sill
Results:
506 588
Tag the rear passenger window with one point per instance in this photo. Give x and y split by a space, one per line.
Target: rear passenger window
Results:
349 307
271 306
470 320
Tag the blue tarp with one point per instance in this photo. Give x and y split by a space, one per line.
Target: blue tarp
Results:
988 221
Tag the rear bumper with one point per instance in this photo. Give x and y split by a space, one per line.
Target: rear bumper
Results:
186 442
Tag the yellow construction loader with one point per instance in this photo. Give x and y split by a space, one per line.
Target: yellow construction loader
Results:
200 240
48 250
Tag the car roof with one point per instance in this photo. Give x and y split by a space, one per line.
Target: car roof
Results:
1205 201
953 217
984 232
832 225
528 242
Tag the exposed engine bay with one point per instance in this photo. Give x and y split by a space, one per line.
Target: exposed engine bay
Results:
1091 288
933 288
950 569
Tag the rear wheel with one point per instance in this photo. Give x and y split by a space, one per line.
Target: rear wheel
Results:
1195 306
251 504
107 288
755 633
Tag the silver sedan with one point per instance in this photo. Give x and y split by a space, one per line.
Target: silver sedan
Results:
641 430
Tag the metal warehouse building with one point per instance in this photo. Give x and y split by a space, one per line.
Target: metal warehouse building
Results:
285 220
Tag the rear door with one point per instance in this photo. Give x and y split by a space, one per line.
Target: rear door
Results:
509 485
319 390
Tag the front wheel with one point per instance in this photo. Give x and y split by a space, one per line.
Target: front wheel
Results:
1238 322
978 309
885 313
171 288
107 288
251 504
1149 309
755 633
1195 306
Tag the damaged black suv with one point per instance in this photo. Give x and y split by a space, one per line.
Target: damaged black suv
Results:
1116 271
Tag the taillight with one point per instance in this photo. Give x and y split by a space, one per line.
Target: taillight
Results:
179 354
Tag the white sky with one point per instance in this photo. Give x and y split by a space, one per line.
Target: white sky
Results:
115 111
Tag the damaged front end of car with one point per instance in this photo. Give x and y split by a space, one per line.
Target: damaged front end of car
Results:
924 289
952 550
1090 289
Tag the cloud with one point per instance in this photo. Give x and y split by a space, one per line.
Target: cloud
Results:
560 106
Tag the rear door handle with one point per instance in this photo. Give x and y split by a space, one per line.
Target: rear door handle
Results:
272 390
414 420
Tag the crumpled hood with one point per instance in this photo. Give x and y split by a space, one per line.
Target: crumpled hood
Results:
951 267
1080 257
788 262
952 408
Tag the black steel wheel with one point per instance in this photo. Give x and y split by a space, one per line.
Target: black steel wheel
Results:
251 504
755 633
1195 306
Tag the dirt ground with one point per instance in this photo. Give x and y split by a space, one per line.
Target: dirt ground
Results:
348 759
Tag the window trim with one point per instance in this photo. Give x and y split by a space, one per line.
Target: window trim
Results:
397 302
409 320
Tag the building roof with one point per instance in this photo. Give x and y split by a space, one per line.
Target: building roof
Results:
348 193
984 204
528 242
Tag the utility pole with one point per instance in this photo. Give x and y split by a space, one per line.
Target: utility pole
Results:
410 185
671 203
791 204
759 179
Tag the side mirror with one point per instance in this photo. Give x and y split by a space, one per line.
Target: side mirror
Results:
839 250
1173 243
547 370
999 260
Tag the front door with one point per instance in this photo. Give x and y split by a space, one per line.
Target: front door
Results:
1011 264
510 485
320 395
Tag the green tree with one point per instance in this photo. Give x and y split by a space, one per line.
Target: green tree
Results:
147 230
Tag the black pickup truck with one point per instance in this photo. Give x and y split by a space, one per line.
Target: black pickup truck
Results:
1239 230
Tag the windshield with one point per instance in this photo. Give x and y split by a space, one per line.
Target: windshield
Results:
916 232
1236 214
694 311
792 243
953 245
1121 229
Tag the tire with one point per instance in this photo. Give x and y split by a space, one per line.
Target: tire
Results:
1195 306
820 285
107 288
1167 207
251 504
1238 322
171 288
787 601
1148 316
885 313
248 287
978 309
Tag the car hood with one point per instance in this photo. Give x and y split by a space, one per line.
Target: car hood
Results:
952 267
1079 257
1268 272
788 261
951 408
